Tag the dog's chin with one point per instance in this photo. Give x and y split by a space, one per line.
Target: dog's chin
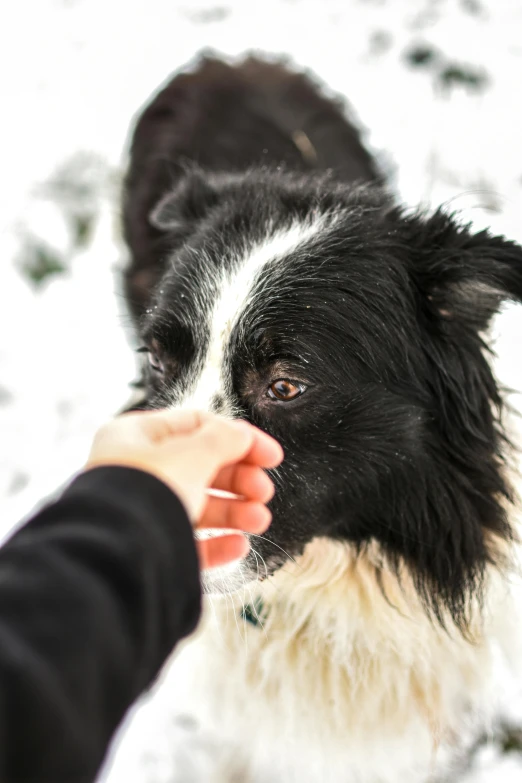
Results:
238 576
229 579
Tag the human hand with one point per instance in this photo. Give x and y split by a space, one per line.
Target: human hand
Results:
195 453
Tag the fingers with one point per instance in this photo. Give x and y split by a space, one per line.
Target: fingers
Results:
220 551
223 442
227 442
164 423
248 515
249 481
265 451
189 450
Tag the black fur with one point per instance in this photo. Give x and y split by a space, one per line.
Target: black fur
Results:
398 437
226 119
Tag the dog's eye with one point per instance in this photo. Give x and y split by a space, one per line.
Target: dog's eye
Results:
285 390
155 364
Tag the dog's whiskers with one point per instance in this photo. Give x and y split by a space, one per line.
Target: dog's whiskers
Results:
258 555
252 600
289 556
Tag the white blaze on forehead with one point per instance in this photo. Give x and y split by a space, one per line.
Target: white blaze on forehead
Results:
234 295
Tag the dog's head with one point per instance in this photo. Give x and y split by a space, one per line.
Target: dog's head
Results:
350 331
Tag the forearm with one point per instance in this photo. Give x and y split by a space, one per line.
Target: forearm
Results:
94 594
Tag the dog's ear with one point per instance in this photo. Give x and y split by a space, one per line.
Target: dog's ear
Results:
185 205
460 279
464 276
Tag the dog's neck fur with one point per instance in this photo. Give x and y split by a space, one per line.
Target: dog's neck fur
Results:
343 637
361 624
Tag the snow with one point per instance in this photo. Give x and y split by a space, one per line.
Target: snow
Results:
73 74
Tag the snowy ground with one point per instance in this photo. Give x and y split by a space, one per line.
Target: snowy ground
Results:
436 83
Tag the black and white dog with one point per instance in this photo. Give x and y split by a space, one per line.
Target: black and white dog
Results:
273 278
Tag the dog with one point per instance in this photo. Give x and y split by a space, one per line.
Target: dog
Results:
274 278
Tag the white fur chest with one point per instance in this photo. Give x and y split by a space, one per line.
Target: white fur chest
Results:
261 714
335 683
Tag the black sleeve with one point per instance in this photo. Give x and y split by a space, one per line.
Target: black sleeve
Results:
94 594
